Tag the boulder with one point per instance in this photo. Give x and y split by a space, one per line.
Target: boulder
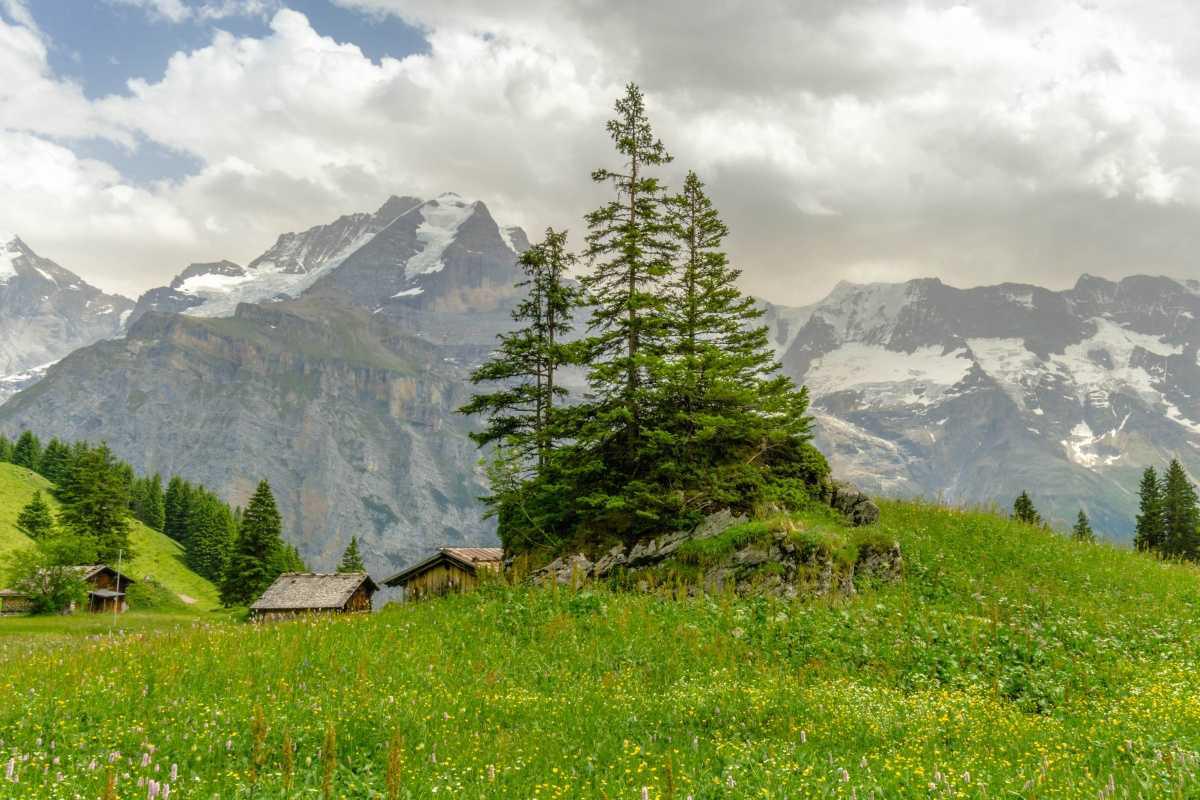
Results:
853 503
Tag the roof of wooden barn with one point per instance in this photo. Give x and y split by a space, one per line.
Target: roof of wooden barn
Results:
297 591
466 557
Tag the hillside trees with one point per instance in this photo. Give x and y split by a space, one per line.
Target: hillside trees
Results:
1082 532
1180 514
36 520
259 555
27 451
352 559
147 503
1024 511
94 500
1150 532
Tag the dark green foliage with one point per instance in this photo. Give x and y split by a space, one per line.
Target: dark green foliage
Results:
1151 532
259 555
352 559
211 533
35 520
289 560
1023 510
27 452
95 502
1180 514
176 504
55 462
1082 532
6 450
146 501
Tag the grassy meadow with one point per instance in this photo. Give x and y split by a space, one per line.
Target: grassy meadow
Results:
1010 662
156 555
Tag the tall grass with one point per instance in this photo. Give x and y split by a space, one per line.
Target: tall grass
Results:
1008 663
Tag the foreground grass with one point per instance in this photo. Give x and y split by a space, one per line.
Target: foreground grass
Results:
156 555
1009 663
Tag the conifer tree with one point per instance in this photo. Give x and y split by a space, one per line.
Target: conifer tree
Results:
1082 532
146 502
259 555
35 519
289 560
1180 514
1023 510
1150 533
94 500
521 413
27 452
630 249
176 504
211 537
6 450
55 461
352 559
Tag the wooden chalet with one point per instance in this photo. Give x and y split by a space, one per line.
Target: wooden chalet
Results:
296 593
14 602
450 569
106 588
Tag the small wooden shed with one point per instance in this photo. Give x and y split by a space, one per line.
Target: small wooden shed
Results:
296 593
14 602
106 588
450 569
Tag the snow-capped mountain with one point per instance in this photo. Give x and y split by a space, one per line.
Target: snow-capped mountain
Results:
923 389
446 253
46 312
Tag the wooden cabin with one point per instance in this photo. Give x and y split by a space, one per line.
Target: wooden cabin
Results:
297 593
14 602
106 588
450 569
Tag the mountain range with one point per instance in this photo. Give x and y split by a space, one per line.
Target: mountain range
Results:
332 365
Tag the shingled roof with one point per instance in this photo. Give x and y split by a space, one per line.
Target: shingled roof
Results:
466 557
298 591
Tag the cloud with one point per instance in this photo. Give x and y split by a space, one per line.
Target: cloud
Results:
178 11
860 139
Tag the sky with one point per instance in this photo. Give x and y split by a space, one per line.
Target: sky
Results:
859 140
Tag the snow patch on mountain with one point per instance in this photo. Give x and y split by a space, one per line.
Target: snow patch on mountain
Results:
1088 450
889 378
442 218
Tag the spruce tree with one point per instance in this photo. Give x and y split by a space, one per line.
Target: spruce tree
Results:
1023 510
35 520
211 537
1082 532
94 502
27 452
146 502
1180 514
630 249
352 559
1150 533
6 450
521 413
176 504
259 555
55 461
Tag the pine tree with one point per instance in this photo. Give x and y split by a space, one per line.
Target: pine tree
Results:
1082 532
352 559
35 519
211 537
27 452
630 249
146 502
527 363
55 461
6 450
1150 533
94 500
1180 514
1023 510
176 504
259 555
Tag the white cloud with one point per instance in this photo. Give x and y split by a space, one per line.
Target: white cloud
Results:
841 138
177 11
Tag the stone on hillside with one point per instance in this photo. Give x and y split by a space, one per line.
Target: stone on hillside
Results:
854 504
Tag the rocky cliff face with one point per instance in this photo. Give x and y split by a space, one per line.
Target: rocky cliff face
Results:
973 395
46 312
352 423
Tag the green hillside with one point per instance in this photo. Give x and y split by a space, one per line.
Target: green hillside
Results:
1009 662
158 556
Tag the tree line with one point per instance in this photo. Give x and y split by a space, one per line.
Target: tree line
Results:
97 495
686 411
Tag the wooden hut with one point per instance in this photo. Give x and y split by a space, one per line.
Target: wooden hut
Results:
296 593
14 602
106 588
450 569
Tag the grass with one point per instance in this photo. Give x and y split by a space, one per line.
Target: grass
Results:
157 555
1009 663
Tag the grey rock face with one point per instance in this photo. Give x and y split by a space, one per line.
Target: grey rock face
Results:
46 312
973 395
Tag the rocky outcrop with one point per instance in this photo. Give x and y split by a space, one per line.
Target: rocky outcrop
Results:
726 554
857 507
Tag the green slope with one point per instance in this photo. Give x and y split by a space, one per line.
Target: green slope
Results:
1009 662
158 556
